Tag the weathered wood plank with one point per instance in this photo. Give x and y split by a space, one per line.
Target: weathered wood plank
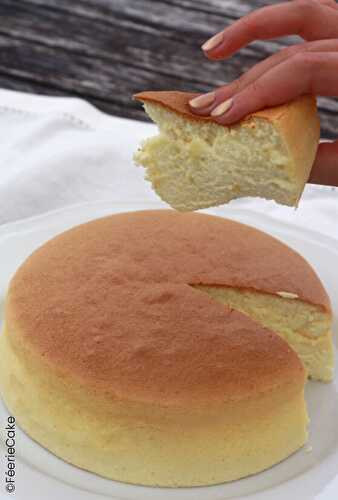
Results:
113 108
105 50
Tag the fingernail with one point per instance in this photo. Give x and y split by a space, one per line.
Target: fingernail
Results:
213 42
202 100
222 108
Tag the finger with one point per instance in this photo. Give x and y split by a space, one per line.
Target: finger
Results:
325 168
330 3
310 19
306 73
203 105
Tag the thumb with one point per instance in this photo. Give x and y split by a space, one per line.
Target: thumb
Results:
325 167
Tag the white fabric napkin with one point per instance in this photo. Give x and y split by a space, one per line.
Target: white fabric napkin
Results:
56 152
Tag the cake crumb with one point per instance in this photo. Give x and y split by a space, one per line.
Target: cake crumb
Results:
288 295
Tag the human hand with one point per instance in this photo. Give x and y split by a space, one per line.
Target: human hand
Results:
310 67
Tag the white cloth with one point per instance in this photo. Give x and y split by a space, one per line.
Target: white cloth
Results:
56 152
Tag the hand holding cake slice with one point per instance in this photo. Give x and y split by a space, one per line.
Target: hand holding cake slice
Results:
196 163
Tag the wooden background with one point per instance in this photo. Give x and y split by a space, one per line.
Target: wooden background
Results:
106 50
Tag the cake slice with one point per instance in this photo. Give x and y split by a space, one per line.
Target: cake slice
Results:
196 163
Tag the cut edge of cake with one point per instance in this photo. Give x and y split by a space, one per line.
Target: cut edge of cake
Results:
307 328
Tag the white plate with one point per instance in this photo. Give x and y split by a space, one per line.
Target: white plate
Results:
306 475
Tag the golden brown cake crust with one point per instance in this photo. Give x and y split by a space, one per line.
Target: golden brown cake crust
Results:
109 302
179 103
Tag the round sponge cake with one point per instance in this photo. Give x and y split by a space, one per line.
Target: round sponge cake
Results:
115 362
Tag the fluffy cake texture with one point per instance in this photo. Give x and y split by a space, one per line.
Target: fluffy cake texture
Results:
196 163
305 327
116 360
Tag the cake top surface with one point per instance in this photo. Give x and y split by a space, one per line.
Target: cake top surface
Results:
110 302
178 102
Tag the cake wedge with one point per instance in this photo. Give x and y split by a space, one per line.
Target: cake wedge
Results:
196 163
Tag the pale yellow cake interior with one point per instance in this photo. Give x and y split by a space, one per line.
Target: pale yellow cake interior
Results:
305 327
194 164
